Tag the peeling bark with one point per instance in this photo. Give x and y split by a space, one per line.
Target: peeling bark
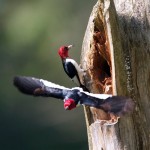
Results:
116 57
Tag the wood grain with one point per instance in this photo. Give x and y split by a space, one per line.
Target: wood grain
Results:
116 57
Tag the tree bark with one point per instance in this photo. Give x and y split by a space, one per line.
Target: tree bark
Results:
116 57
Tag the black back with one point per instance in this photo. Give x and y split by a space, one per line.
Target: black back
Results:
70 69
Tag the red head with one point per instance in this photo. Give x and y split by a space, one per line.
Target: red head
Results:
63 51
69 104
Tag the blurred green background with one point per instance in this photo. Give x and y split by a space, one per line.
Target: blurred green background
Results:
31 33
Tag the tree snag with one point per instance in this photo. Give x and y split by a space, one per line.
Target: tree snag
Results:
116 58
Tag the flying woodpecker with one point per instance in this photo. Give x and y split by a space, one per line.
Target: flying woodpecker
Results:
118 105
71 67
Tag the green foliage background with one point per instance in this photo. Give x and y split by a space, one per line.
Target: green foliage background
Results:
31 31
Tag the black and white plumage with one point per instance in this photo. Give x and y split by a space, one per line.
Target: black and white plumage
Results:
71 67
117 105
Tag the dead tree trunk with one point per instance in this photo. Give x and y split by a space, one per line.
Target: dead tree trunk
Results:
116 57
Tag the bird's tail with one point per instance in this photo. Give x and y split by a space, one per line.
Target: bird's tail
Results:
84 88
118 105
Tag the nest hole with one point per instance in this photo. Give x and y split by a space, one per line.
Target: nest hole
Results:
101 68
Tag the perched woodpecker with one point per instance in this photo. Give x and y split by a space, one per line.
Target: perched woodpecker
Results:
71 67
117 105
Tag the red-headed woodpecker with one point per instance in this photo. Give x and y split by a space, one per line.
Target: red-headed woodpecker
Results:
117 105
71 67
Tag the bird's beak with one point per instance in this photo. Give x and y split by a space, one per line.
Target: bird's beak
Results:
70 46
67 107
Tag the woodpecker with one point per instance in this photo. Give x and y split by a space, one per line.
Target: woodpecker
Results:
71 67
118 105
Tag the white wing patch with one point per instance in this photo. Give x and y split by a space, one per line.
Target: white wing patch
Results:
100 96
53 85
79 70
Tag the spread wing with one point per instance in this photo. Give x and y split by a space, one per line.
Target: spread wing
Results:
39 87
119 105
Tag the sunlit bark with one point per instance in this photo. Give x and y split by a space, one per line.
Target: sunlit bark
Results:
116 57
